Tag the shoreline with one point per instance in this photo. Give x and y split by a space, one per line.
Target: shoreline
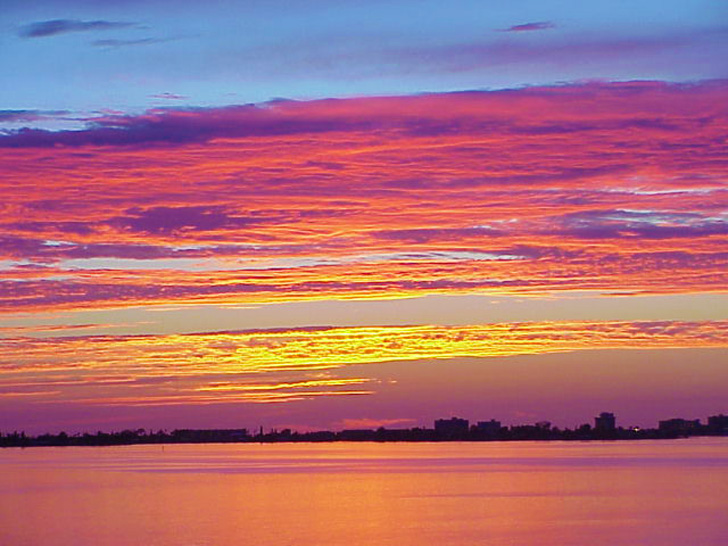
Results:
80 441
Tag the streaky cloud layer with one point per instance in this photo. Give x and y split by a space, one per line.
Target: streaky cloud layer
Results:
262 366
615 187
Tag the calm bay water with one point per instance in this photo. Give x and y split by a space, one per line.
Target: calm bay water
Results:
598 494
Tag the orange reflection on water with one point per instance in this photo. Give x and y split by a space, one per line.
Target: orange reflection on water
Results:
667 493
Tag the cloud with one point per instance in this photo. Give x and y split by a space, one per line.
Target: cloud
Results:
615 187
26 116
115 43
562 54
178 219
54 27
179 126
535 54
168 96
475 112
426 235
286 365
41 328
649 224
541 25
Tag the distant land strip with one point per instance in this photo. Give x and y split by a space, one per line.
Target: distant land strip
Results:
444 430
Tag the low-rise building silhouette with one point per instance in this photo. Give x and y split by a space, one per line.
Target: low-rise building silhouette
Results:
452 428
679 427
489 428
356 435
718 424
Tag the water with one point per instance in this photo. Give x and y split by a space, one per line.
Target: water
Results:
454 494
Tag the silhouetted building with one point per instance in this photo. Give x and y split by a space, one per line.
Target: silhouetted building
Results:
718 424
356 435
606 422
490 428
452 428
680 427
318 436
196 435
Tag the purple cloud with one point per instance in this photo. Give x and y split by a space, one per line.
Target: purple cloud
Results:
412 115
41 251
540 25
75 228
124 43
611 224
43 29
167 220
182 126
25 116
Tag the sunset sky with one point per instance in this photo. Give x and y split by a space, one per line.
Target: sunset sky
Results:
317 214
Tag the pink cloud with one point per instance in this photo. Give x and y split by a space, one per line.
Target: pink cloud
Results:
603 186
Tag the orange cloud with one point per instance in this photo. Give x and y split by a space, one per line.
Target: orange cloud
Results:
604 186
287 365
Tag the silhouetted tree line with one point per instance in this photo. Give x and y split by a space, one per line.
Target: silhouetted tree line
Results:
445 430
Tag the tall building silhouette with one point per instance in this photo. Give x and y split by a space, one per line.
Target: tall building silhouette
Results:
606 422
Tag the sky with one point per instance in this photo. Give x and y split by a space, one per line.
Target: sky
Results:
359 214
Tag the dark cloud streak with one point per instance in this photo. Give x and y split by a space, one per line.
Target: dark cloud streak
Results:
526 27
26 116
410 114
54 27
125 43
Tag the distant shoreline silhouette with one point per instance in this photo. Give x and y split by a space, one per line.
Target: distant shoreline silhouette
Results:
445 430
